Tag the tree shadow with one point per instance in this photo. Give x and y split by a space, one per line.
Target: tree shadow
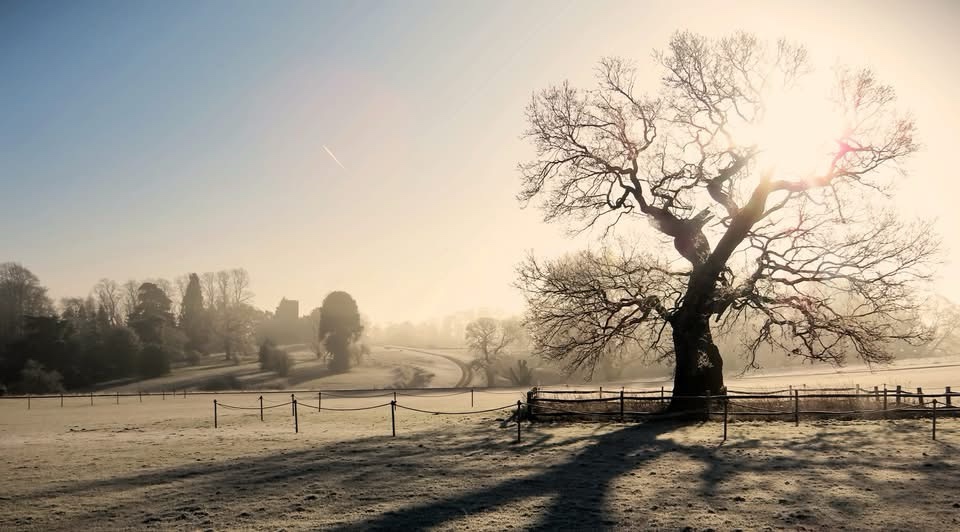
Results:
426 480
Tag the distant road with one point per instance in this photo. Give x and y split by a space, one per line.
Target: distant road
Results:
466 372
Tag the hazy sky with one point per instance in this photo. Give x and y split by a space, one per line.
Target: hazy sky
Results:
149 139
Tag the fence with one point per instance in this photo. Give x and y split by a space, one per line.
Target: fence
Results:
393 405
544 404
163 395
296 403
790 403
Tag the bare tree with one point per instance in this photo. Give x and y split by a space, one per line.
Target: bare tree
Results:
489 339
756 244
130 292
110 298
21 294
229 299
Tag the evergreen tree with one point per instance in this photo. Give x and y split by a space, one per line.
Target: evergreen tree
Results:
193 317
151 314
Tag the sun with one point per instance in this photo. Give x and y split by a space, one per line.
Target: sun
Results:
796 133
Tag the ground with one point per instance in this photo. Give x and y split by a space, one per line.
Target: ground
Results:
161 464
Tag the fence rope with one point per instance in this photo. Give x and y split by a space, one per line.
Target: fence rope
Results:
219 404
351 396
432 395
457 413
342 409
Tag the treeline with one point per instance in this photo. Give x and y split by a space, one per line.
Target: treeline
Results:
134 330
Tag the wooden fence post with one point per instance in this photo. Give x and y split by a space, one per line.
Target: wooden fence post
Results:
897 399
518 420
876 394
215 413
140 395
725 401
261 408
934 419
319 401
293 403
471 397
393 418
621 405
118 397
884 401
947 392
601 392
708 405
91 398
796 408
920 395
28 401
661 396
858 389
296 421
61 400
531 399
163 394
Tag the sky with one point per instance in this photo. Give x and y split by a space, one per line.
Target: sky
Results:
364 146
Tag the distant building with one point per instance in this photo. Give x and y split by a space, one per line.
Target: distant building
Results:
288 310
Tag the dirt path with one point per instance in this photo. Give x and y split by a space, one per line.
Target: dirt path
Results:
465 369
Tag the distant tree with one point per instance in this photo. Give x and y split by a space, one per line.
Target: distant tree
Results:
233 318
81 313
109 296
272 358
520 374
151 314
193 316
128 299
489 339
21 295
154 361
707 164
339 329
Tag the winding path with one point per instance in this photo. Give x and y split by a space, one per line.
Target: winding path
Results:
466 372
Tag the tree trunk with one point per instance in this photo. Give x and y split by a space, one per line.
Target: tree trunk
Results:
699 366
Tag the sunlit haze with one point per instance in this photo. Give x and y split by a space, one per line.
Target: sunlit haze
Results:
370 147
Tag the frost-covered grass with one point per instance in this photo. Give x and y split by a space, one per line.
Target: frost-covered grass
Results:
162 465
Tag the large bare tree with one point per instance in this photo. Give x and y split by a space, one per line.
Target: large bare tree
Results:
811 259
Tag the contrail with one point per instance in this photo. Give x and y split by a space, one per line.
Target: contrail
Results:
334 157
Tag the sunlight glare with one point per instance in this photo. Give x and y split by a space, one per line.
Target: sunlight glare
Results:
797 134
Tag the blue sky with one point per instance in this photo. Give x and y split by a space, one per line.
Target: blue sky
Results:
150 139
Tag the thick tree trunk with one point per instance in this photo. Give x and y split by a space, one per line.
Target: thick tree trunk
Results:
699 366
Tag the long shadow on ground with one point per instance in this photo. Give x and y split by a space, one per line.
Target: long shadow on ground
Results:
415 482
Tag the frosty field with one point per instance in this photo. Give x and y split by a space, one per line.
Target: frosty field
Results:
160 464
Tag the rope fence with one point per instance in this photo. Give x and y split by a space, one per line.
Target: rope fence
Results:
392 405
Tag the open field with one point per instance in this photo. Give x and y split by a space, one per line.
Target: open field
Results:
161 465
384 367
402 367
